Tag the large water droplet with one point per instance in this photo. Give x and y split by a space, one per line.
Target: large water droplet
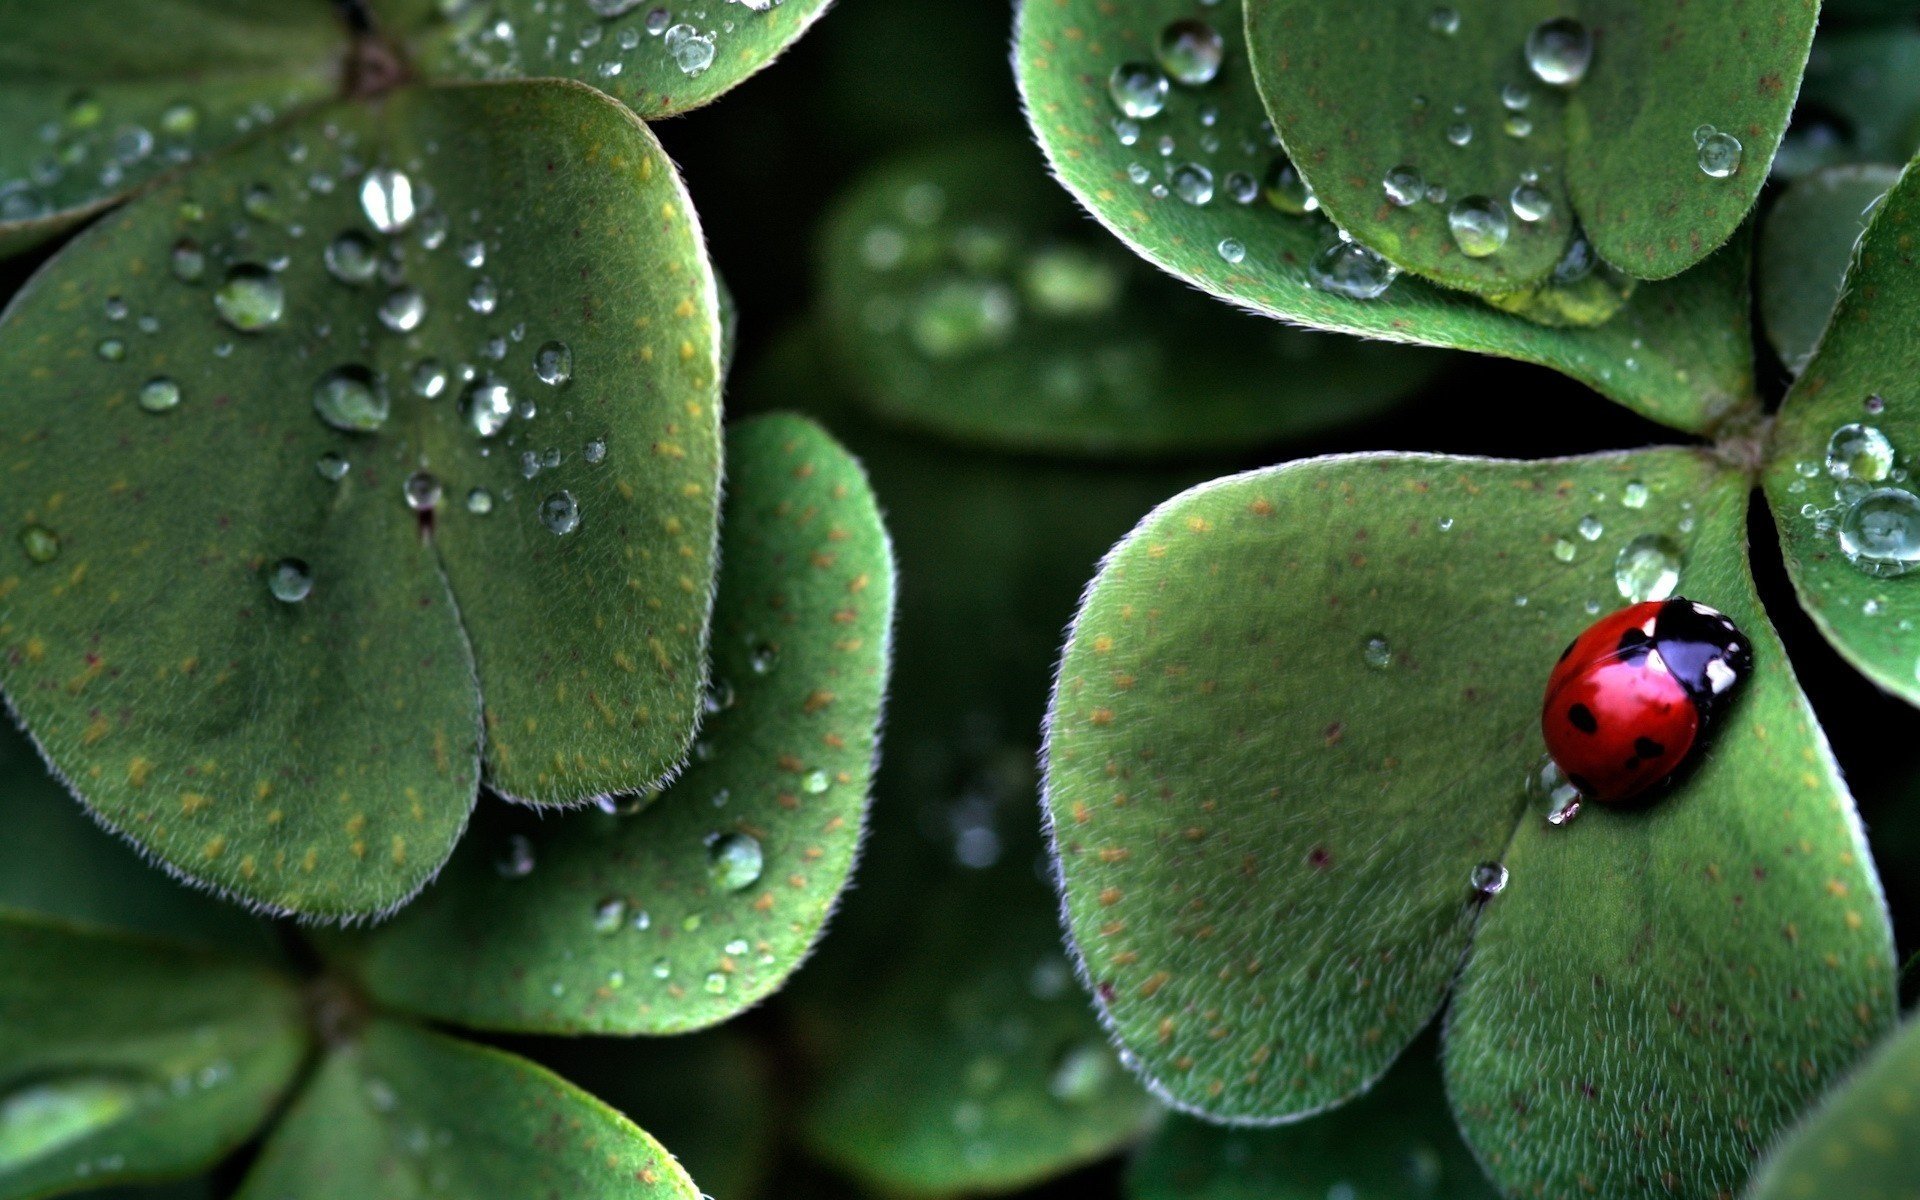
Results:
1191 51
351 399
386 196
1647 568
734 861
1479 226
1139 90
553 363
250 298
1547 786
1352 270
290 580
486 405
159 395
41 1116
1859 452
1404 186
692 51
560 512
1880 532
1559 51
1719 153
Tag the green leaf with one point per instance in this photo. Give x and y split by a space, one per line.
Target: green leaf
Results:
1358 91
1859 1142
1296 716
402 1113
717 1113
126 1060
1679 353
319 757
679 916
1397 1142
963 295
1806 246
1860 101
56 862
1842 447
97 102
658 58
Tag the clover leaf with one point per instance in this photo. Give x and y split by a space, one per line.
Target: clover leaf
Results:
1288 771
1860 100
312 466
1859 1141
1807 242
1647 126
1678 351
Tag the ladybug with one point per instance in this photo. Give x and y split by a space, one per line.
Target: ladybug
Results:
1631 699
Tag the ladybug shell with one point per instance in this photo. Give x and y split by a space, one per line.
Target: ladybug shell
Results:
1631 698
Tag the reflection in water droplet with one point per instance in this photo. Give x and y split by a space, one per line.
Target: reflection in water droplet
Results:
351 399
1634 495
553 363
188 261
1488 879
1530 203
1719 154
1192 183
560 512
1559 51
734 861
692 50
486 406
1404 186
250 298
42 1115
1859 452
1286 189
159 395
429 378
1138 90
290 580
1880 532
1647 568
1547 786
386 196
1479 226
594 451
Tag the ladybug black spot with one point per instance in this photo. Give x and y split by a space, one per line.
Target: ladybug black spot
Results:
1646 747
1583 719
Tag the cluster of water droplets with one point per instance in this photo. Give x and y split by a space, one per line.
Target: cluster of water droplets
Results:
599 39
1859 496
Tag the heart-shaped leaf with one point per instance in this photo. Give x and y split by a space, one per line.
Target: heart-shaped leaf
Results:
54 861
658 57
124 1059
1288 757
1860 1141
963 295
679 916
400 1111
277 419
1843 448
1806 245
1860 100
1648 126
1679 352
1397 1142
96 102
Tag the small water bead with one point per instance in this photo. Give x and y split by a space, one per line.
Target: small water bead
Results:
962 316
1514 97
259 202
1564 550
351 399
1191 51
1530 203
815 782
351 257
188 261
1233 250
1488 880
1479 226
479 502
250 298
1517 126
1444 21
1875 404
484 296
1634 495
691 50
486 406
594 452
386 196
1719 153
331 467
716 984
403 310
1082 1073
473 254
610 915
429 378
422 490
1349 269
1242 188
1647 568
41 545
1880 532
1460 133
1577 263
1559 51
159 395
1192 183
111 349
1859 452
1404 186
553 363
735 861
516 860
560 513
290 580
1139 90
761 658
1286 189
1591 528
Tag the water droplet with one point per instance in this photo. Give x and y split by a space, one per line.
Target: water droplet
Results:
1191 51
1515 97
40 1117
1591 527
1233 250
188 261
159 395
1880 532
1377 652
1531 203
1875 404
1564 550
403 309
1488 880
1139 90
422 490
1559 51
1479 226
1634 495
815 782
1719 154
1444 21
1647 568
1082 1072
594 451
734 861
42 545
290 580
1351 270
516 858
486 406
761 658
386 196
484 296
473 253
351 399
1286 189
961 316
111 349
331 467
716 983
1577 263
560 513
479 502
179 119
1547 786
553 363
1404 186
1460 133
259 202
1517 125
1859 452
351 257
610 915
1192 183
250 298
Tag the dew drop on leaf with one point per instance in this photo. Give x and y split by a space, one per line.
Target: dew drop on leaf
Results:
734 861
351 399
610 915
1233 250
486 405
1479 226
1444 21
290 580
692 50
1488 879
560 513
1082 1072
1647 568
716 984
815 782
111 349
429 378
1530 203
553 363
1634 495
422 490
1349 269
1718 152
1286 189
1404 186
159 395
1190 52
331 467
516 858
1138 90
187 261
479 502
386 196
1192 183
403 309
1377 652
1880 532
250 298
1859 452
1559 51
40 544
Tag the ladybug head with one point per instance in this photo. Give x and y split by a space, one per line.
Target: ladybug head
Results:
1704 651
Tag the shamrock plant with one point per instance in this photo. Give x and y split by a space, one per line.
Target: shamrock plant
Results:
1299 798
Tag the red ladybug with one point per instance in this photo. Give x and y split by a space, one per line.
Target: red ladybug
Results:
1631 698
